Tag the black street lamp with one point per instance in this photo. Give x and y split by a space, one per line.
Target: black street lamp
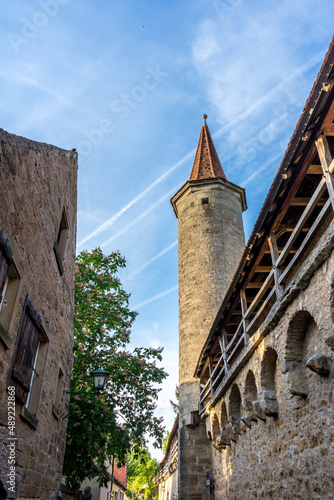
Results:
100 378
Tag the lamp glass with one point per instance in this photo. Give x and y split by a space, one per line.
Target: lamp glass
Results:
100 378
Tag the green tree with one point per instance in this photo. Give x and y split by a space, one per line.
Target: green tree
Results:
141 471
123 416
165 443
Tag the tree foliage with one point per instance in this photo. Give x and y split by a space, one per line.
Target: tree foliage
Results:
108 424
141 471
176 406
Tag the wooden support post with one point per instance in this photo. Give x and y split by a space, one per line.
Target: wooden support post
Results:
210 371
223 344
327 164
243 301
274 258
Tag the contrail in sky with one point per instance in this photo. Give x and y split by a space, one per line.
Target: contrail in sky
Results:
155 297
314 60
149 188
256 173
141 216
156 257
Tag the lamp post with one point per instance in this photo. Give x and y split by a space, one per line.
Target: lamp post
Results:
100 378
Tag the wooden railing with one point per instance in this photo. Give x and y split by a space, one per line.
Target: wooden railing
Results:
279 276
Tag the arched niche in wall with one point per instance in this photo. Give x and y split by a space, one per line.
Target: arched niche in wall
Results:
250 395
215 430
303 336
226 433
268 375
234 409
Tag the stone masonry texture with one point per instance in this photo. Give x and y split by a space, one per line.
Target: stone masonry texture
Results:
38 182
211 241
289 455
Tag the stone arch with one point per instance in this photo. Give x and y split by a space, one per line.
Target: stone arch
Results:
296 332
268 375
234 405
224 417
268 369
300 352
250 395
250 392
215 428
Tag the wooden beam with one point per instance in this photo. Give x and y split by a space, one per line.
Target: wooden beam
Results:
327 123
302 220
263 269
254 285
303 202
260 294
329 130
280 250
326 159
309 235
314 169
274 257
223 344
243 301
294 188
210 370
290 229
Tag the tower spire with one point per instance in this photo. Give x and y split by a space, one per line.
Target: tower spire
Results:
206 163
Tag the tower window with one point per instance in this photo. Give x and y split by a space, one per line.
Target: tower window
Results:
205 201
60 243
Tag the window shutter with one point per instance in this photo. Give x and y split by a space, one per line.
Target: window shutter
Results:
24 357
3 273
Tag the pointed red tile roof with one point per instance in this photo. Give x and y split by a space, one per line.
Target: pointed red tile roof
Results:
206 164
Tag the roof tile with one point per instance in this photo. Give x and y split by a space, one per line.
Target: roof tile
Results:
206 164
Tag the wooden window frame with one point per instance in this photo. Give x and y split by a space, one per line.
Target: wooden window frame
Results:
61 240
10 288
58 400
26 373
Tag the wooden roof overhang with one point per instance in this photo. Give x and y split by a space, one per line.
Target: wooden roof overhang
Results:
295 213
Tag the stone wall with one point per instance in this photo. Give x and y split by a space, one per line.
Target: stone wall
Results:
211 241
273 426
37 190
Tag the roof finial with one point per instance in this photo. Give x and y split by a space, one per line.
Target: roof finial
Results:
204 118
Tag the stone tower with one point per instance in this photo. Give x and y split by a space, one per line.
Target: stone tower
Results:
211 240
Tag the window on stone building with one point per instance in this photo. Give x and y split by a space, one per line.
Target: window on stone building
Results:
60 243
59 394
205 201
29 360
9 284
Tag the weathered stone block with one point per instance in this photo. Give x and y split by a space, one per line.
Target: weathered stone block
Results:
247 421
259 410
296 384
319 363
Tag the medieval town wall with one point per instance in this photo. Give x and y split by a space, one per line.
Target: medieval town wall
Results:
272 427
38 191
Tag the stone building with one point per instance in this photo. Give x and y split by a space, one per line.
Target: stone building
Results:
38 193
167 481
256 322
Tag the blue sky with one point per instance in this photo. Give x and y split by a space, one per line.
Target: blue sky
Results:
126 83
